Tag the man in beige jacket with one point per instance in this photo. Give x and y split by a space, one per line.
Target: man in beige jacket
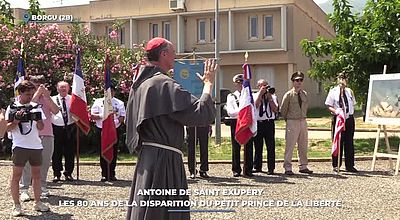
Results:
294 111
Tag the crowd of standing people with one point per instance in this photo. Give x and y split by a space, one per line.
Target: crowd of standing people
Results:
43 131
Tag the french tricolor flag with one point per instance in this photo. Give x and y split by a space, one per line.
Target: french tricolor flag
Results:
78 107
339 128
246 125
108 131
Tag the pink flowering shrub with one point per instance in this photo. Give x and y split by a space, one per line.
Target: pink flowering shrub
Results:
50 51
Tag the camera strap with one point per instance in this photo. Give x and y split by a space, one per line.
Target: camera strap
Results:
267 106
21 130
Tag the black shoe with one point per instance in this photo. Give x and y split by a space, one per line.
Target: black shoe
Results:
289 172
103 179
249 174
56 179
352 170
270 172
306 170
113 178
193 175
68 178
235 174
335 169
204 174
256 171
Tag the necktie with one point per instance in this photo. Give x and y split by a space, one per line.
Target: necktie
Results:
299 98
64 113
346 102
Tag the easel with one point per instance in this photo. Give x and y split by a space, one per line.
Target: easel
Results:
391 154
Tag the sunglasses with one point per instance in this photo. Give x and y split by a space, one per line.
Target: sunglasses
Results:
239 81
298 80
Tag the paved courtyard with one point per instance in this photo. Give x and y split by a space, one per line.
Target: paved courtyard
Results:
322 195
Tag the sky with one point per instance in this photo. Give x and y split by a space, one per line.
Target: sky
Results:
57 3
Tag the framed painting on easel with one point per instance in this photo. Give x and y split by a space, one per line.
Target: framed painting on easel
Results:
383 106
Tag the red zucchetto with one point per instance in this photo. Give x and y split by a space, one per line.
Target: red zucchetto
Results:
154 43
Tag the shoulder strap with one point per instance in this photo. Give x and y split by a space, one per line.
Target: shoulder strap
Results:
234 96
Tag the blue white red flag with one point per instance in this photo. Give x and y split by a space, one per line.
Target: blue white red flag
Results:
339 127
20 76
108 131
78 107
246 125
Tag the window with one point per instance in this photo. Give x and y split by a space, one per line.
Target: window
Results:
201 31
108 30
253 27
268 27
122 36
153 30
167 30
212 29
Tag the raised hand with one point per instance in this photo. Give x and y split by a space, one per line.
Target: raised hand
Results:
210 66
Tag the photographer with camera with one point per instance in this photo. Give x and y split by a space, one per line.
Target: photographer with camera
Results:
267 108
42 97
25 119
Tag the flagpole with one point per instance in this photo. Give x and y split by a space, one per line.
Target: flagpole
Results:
217 82
77 153
344 129
108 170
246 55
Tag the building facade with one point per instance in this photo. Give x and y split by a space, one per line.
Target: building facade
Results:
269 30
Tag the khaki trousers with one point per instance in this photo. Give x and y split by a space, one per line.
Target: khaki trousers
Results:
296 132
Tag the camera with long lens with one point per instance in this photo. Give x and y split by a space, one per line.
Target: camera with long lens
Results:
27 114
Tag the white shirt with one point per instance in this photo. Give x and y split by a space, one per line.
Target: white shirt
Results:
232 104
333 100
30 140
267 114
57 119
98 108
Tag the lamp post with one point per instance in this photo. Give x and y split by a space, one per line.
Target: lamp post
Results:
217 83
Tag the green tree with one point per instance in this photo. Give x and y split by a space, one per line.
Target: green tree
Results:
6 14
34 8
363 44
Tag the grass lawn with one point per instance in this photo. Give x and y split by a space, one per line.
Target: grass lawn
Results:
321 118
317 148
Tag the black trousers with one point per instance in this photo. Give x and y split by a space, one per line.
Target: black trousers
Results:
346 143
105 166
202 137
266 132
64 145
248 157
